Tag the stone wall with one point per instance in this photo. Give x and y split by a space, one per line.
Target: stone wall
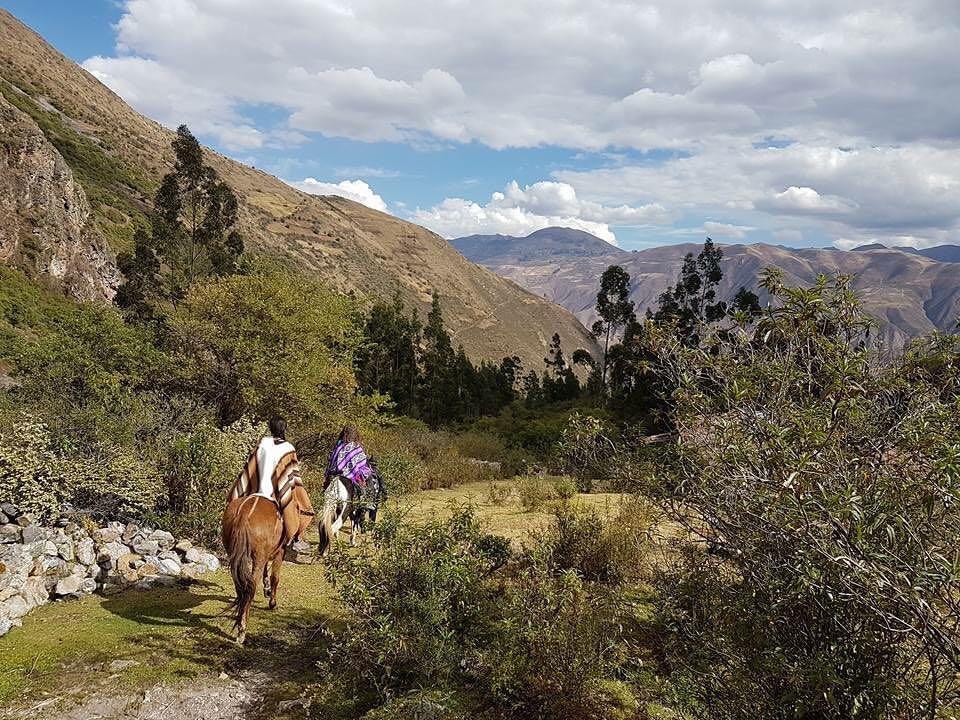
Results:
39 564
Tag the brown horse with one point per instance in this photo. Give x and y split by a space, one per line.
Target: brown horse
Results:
255 536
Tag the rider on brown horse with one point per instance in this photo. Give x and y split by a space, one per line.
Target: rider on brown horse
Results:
267 510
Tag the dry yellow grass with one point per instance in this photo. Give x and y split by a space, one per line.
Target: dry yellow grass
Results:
508 519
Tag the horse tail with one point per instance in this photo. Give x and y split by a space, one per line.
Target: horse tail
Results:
240 559
326 534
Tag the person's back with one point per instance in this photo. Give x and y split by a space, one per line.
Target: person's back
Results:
270 451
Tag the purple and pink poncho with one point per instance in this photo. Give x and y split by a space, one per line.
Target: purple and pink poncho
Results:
350 461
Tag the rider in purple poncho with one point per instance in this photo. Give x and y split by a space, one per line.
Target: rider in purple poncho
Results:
349 460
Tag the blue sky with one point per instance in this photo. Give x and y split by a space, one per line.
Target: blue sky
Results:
644 123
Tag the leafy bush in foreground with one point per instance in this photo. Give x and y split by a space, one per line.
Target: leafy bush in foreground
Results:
443 606
824 486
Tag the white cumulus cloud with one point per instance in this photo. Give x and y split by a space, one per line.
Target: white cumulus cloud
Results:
839 118
356 190
522 210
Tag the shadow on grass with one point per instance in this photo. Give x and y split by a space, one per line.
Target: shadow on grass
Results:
188 638
170 607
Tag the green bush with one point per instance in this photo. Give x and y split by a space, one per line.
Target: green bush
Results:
201 468
824 481
499 493
586 452
40 477
537 491
252 346
534 492
417 599
441 608
420 705
553 652
565 487
607 552
480 445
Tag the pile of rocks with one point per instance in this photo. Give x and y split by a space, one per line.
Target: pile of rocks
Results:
39 564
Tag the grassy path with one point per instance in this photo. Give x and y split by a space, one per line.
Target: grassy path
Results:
168 652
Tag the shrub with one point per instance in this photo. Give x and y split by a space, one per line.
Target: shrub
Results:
598 551
201 468
252 346
420 705
40 477
499 493
447 468
553 652
417 599
824 483
480 445
442 622
535 492
586 452
402 470
565 487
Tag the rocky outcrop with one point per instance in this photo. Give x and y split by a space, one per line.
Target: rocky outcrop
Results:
47 228
39 564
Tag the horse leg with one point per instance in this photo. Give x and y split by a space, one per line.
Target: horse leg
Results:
267 584
275 564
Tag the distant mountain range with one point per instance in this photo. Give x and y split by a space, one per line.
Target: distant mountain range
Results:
910 292
940 253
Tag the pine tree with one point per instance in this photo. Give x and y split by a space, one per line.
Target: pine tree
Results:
387 360
559 381
439 388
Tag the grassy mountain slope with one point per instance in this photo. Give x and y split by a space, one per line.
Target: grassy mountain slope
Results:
907 293
119 156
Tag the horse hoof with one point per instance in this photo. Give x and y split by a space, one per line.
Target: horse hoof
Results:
266 592
272 605
241 638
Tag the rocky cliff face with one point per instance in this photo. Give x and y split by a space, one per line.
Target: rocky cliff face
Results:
47 229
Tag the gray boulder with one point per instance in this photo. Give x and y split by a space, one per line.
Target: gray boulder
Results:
69 585
103 536
16 607
163 539
66 550
130 531
146 547
35 592
85 552
6 624
169 567
183 546
111 552
210 561
33 533
25 520
9 509
10 533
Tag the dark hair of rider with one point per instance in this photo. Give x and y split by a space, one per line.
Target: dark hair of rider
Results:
278 428
349 434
